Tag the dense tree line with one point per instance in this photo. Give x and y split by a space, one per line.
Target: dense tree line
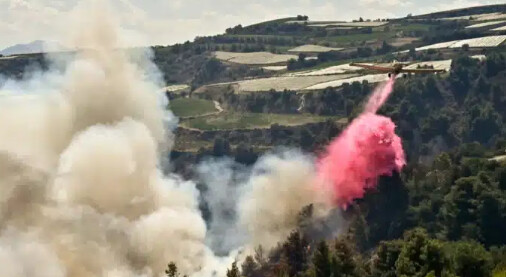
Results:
415 254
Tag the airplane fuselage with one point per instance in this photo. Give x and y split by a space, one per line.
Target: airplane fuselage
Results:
397 69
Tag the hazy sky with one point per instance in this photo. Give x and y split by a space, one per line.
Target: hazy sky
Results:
165 22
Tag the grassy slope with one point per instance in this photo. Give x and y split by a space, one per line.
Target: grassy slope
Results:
185 107
232 120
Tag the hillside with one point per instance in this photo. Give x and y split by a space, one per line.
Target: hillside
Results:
289 83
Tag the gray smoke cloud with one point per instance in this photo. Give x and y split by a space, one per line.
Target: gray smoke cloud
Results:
224 179
81 187
261 205
281 185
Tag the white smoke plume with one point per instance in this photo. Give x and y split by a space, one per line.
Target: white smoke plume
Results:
279 188
224 179
81 190
260 205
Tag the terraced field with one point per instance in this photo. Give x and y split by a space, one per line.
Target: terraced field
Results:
191 107
337 69
374 78
436 46
403 41
485 24
478 17
488 41
354 39
275 68
339 23
313 49
174 88
503 28
254 58
286 83
233 121
444 64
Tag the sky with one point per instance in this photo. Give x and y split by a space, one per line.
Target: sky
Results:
164 22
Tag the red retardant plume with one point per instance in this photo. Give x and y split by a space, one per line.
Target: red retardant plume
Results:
366 149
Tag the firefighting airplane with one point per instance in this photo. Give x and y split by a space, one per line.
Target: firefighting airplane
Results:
396 68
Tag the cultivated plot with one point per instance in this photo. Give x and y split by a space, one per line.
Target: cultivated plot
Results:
275 67
436 45
374 78
443 64
174 88
254 58
503 28
309 48
339 23
350 24
337 69
485 24
492 16
478 17
488 41
192 107
234 121
397 42
286 82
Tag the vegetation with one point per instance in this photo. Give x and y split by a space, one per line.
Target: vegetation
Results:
191 107
233 120
415 254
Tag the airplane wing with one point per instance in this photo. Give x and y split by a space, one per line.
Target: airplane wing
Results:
373 67
422 70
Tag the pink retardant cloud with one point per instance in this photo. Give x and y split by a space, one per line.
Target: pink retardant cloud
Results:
366 149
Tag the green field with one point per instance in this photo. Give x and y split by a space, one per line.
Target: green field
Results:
232 120
188 107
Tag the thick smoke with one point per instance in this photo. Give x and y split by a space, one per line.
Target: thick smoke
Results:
279 188
223 179
81 190
260 205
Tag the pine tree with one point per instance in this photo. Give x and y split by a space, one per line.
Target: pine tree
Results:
234 271
343 260
249 267
171 270
295 252
321 260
